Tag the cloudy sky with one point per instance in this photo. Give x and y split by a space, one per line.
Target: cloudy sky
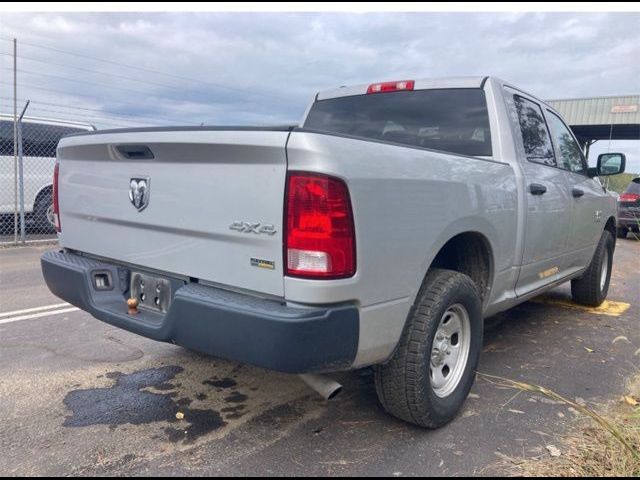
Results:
263 68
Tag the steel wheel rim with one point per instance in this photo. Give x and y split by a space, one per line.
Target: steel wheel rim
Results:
50 217
450 350
605 270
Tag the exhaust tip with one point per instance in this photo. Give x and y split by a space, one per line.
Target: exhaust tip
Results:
326 387
335 393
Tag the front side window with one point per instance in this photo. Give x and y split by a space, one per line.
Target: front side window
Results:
535 135
569 152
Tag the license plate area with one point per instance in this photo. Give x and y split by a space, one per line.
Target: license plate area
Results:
152 292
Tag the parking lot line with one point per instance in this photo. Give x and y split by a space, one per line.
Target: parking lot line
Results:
38 315
608 307
32 310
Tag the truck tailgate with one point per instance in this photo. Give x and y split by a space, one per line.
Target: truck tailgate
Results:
199 182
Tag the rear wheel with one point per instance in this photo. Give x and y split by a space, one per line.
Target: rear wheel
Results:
429 376
622 232
591 289
43 213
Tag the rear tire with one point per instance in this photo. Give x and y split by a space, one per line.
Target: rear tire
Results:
591 289
43 213
621 232
417 384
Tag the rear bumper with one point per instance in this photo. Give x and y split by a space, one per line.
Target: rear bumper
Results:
225 324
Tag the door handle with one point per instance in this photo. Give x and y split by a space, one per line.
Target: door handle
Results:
537 189
577 193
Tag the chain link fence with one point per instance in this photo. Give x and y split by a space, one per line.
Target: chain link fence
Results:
27 159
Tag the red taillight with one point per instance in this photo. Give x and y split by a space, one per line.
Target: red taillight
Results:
629 197
56 206
320 237
391 86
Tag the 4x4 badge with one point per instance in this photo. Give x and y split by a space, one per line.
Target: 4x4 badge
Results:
251 227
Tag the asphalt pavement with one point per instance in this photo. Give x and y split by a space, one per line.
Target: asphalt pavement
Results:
80 397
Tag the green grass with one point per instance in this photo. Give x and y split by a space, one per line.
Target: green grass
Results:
618 183
607 446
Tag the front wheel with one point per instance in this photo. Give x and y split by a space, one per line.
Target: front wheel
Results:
592 287
429 376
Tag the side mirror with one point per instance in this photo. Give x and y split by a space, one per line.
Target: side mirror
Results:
609 164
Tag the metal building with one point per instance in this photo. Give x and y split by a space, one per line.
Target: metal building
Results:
601 118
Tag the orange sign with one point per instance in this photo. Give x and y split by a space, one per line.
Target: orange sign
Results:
624 108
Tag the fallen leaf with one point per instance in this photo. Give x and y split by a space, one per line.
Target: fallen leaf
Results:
621 338
631 401
519 412
637 352
590 350
180 416
553 451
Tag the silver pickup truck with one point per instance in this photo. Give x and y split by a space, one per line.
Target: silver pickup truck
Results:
379 232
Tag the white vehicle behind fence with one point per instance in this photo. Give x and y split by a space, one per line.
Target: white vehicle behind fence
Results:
40 137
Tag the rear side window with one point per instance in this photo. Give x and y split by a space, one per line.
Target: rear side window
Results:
535 134
451 120
38 139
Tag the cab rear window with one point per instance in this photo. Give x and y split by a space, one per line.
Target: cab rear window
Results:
451 120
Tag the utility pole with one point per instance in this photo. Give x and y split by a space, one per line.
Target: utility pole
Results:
21 171
15 141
